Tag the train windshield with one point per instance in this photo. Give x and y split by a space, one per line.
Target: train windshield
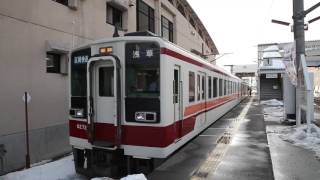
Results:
79 61
142 70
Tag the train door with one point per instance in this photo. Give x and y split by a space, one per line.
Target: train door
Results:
104 90
177 101
203 97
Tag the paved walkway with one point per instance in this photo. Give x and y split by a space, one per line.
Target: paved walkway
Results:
290 162
234 147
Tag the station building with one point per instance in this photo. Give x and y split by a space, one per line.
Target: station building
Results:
35 39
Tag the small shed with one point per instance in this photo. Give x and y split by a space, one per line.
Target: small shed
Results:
270 74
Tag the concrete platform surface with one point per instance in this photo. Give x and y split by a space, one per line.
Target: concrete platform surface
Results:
234 147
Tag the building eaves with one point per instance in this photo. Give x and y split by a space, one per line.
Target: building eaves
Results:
211 44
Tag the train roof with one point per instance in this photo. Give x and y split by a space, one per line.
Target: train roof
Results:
163 43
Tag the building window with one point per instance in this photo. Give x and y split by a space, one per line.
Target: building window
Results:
192 86
166 29
181 10
171 1
114 16
192 23
64 2
145 17
53 63
200 34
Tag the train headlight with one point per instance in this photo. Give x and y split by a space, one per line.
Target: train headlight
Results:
140 116
146 116
78 113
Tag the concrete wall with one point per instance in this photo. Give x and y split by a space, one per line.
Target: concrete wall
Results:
25 27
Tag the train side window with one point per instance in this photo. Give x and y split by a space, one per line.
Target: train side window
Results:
203 88
209 87
192 87
198 87
215 86
225 87
220 87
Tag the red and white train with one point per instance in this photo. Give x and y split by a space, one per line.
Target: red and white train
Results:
142 97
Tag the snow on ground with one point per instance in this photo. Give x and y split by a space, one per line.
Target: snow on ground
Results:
272 102
129 177
297 135
62 169
300 137
273 110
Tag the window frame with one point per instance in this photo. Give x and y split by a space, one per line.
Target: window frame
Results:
215 89
169 28
209 87
113 9
181 10
102 89
150 15
63 2
56 68
192 99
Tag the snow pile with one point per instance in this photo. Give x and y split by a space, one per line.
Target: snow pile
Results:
129 177
300 137
134 177
273 110
272 102
62 169
101 178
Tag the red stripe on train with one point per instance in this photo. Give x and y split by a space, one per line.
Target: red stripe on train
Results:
136 135
141 135
177 55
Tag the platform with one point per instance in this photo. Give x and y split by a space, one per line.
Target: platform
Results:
234 147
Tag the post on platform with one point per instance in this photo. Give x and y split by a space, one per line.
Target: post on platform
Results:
26 99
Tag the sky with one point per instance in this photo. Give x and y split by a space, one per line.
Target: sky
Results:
238 26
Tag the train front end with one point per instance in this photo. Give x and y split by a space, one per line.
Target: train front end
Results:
114 104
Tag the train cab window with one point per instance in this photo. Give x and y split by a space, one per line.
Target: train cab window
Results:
192 86
220 87
215 86
209 87
106 82
198 87
142 70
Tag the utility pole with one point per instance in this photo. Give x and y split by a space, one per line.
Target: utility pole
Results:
298 29
299 40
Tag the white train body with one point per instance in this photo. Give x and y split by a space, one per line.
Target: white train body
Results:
116 110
